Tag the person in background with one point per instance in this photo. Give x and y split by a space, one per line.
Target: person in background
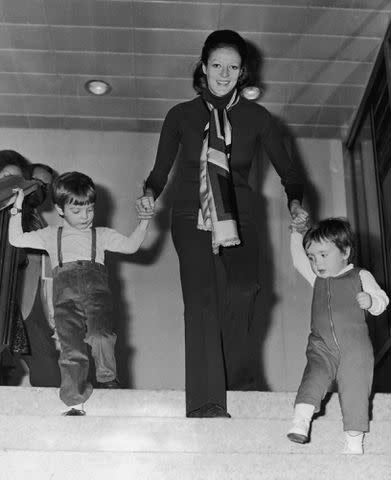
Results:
81 296
32 345
339 348
219 134
36 288
12 163
44 175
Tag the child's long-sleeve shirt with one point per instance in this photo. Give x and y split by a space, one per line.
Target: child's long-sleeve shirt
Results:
75 244
369 285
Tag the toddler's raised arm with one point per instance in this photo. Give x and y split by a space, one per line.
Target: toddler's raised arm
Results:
300 259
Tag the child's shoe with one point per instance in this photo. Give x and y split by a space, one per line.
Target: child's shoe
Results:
75 411
354 443
299 432
111 384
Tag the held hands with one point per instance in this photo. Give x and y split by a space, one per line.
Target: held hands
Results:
145 207
300 217
364 300
19 197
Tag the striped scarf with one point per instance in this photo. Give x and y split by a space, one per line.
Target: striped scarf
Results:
217 211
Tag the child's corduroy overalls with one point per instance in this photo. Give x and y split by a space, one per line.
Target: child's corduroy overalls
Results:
339 348
83 315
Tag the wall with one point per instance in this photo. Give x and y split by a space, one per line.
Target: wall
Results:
146 285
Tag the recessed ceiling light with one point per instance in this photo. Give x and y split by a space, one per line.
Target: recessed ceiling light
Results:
251 93
97 87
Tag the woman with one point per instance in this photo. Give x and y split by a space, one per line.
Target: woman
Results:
213 225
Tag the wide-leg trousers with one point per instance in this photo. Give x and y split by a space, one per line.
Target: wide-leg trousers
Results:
83 315
219 293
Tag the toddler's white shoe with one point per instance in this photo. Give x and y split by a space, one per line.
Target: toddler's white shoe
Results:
301 423
354 443
299 431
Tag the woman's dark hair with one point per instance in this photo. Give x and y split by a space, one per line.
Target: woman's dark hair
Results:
10 157
221 39
334 230
73 187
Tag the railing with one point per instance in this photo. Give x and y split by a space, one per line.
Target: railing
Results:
373 123
8 256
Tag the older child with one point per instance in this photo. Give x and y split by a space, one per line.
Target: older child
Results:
339 348
81 295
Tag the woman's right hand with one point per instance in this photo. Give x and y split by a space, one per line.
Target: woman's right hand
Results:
19 197
145 207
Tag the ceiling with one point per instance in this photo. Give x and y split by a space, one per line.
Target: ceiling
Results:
317 56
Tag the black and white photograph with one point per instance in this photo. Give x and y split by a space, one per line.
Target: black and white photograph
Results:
195 239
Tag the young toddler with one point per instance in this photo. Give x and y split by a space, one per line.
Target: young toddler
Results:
81 296
339 348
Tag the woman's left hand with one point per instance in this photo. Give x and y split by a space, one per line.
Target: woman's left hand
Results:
299 216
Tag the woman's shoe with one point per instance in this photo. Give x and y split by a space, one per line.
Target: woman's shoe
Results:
215 411
210 410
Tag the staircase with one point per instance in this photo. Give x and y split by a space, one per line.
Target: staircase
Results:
143 435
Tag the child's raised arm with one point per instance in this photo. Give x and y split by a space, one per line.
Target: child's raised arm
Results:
299 257
114 241
16 236
372 298
138 236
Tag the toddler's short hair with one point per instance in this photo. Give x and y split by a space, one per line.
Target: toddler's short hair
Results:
73 187
336 230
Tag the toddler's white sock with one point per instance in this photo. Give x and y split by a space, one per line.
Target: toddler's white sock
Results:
354 441
301 422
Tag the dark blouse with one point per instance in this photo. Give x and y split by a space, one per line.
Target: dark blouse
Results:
252 126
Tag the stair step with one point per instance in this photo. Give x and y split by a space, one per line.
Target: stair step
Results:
19 465
168 403
127 434
145 435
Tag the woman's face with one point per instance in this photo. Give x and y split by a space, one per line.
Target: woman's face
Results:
10 170
222 70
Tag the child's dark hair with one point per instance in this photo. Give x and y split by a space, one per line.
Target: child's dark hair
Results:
73 187
335 230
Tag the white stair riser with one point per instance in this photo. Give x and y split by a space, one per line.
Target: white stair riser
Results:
138 403
176 435
178 466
